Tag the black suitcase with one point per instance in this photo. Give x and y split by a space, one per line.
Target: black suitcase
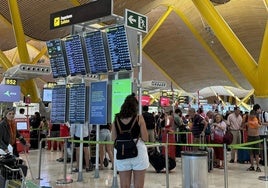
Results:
157 160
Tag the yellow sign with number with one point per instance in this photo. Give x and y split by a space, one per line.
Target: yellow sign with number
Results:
10 81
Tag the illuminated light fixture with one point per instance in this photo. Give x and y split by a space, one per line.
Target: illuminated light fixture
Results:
220 1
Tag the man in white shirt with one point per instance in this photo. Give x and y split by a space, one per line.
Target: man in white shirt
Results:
234 122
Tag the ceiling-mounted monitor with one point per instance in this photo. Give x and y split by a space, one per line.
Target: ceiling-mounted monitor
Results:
74 55
57 60
119 55
95 52
77 103
47 95
58 106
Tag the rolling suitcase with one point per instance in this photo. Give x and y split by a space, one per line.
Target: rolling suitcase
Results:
210 159
157 160
189 140
243 155
171 140
210 153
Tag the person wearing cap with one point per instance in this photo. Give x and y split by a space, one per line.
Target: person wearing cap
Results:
8 132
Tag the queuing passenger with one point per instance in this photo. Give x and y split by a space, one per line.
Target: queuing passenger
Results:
234 122
198 127
219 128
253 124
178 123
54 133
9 133
263 116
75 132
65 132
150 123
137 165
105 136
160 124
35 122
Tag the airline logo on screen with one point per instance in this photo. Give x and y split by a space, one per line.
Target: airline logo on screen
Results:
9 93
62 20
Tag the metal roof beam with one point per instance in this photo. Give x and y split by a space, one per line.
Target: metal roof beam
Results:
18 31
262 89
156 27
206 46
229 40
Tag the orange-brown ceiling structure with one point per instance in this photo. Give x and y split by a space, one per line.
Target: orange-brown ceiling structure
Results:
191 43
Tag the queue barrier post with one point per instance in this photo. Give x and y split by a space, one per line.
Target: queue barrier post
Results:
166 160
115 181
40 159
65 180
265 177
225 166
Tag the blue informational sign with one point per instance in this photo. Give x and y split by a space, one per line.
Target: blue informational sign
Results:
9 93
98 103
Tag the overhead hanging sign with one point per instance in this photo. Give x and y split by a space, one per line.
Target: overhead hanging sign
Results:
90 11
9 93
136 21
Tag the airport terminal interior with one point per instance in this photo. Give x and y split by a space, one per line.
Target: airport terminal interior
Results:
63 57
52 171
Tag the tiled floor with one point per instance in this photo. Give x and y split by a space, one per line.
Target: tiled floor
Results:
51 171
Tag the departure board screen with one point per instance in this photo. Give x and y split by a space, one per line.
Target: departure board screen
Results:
118 48
56 56
58 109
77 103
95 53
74 55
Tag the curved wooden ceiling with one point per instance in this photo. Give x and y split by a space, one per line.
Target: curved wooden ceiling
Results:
173 53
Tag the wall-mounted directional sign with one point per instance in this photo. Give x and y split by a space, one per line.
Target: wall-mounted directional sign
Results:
136 21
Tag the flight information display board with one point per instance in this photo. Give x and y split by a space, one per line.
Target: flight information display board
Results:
118 48
98 103
120 89
57 60
95 53
74 55
58 109
77 103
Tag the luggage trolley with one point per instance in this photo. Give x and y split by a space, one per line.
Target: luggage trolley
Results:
12 177
12 172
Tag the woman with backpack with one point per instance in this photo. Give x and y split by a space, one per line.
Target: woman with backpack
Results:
128 121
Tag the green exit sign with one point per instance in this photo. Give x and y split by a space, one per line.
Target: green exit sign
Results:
136 21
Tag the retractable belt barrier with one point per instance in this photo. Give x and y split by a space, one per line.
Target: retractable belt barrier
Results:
155 144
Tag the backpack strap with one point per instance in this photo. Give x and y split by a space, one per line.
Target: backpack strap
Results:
119 127
263 116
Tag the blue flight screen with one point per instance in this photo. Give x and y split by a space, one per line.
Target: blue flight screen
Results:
95 52
77 103
56 56
58 109
74 55
118 48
